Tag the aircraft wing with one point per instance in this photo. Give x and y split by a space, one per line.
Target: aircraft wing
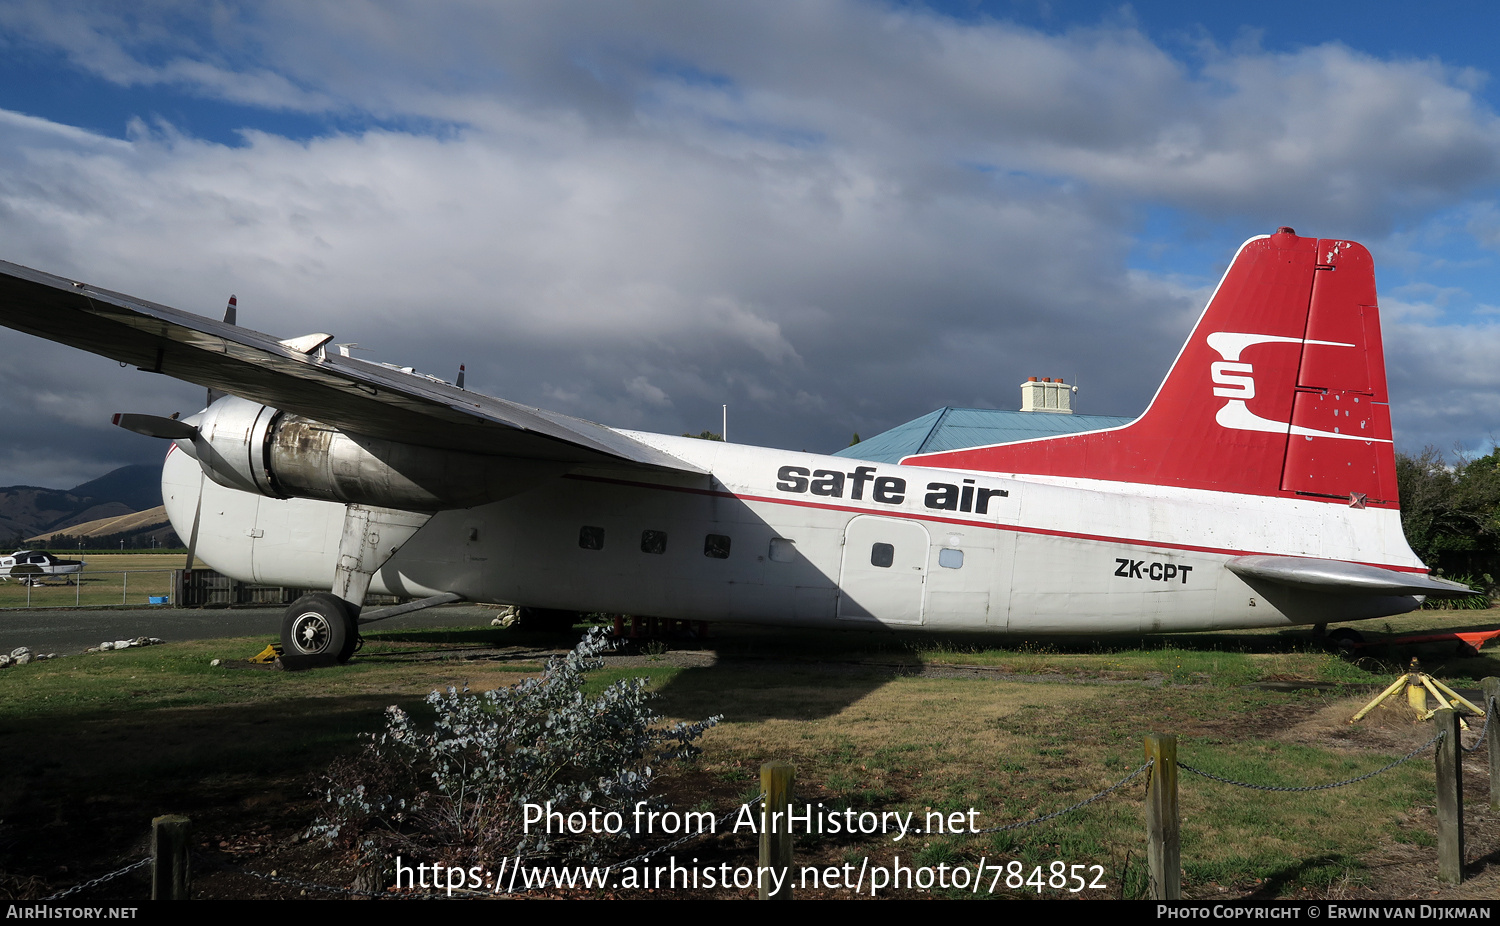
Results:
1337 577
297 376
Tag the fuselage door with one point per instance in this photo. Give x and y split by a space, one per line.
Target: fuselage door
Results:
884 572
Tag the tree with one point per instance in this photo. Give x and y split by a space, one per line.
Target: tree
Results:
1451 512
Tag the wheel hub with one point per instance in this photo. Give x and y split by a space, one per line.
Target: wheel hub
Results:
311 633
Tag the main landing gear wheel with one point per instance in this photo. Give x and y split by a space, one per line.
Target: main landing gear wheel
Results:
317 630
1345 640
546 620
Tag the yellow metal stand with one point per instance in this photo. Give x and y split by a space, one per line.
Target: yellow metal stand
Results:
1418 685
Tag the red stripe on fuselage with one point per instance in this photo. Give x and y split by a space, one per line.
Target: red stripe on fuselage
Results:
907 516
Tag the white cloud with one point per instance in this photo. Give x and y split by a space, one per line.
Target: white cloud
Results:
1445 385
834 216
1419 301
641 388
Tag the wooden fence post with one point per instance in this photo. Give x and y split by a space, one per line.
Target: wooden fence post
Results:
1163 849
775 830
1450 797
169 858
1491 687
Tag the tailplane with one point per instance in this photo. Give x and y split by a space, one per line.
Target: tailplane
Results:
1279 391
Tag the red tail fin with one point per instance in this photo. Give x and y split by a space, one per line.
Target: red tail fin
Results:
1280 390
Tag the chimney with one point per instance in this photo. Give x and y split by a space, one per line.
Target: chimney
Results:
1046 396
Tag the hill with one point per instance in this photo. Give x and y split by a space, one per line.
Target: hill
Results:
138 487
138 527
29 511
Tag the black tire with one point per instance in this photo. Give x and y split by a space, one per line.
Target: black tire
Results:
1346 640
352 639
545 620
317 631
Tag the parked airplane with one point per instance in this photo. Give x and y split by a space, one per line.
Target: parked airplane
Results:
34 566
1258 489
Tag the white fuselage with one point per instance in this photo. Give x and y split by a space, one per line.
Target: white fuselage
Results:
766 539
31 564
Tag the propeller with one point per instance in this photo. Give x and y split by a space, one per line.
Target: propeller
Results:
155 426
193 535
460 383
170 429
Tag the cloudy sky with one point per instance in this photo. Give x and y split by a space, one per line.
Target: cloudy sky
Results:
832 215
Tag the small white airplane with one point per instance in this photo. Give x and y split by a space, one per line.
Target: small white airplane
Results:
1258 489
33 567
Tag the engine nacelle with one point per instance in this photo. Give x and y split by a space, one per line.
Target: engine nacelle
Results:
254 448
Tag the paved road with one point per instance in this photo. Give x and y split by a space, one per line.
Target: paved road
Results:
73 631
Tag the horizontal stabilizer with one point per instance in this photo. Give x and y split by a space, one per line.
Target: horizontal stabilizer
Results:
1336 577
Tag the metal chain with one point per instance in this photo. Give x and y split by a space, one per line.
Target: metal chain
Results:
99 880
1489 712
723 818
1055 814
718 823
1337 784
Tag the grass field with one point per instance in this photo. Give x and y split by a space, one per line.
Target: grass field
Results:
107 579
98 744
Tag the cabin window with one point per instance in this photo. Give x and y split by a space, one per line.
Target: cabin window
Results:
950 558
716 546
591 538
653 541
882 555
783 550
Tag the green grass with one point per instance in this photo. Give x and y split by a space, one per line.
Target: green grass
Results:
864 737
1017 751
1230 659
107 579
182 675
92 589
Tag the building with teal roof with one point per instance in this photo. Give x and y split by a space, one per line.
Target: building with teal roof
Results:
960 428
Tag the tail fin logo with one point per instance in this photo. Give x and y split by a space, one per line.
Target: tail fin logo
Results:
1235 380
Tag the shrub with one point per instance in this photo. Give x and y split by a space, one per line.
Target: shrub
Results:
1479 601
456 788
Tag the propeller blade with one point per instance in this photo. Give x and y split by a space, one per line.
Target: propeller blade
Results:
192 548
156 426
460 383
